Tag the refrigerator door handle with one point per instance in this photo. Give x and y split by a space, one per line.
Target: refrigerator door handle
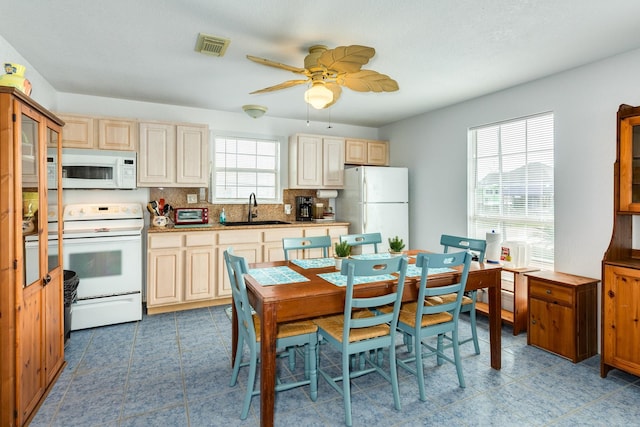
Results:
364 190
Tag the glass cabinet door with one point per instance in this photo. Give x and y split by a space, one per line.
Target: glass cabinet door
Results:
53 245
30 198
629 178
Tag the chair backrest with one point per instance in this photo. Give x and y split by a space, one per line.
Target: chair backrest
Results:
432 304
237 268
313 242
478 246
353 268
363 239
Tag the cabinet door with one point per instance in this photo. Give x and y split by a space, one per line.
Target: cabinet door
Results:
199 274
78 132
333 162
199 279
378 153
308 158
164 276
621 305
630 164
251 252
552 327
272 248
117 135
355 151
245 243
192 156
157 155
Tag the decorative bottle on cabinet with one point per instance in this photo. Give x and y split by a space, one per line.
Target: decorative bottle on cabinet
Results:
621 262
31 291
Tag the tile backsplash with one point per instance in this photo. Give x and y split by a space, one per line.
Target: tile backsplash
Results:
177 197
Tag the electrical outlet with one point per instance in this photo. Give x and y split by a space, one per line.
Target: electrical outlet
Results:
192 198
202 194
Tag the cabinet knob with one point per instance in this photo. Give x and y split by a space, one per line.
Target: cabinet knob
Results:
548 291
46 280
533 322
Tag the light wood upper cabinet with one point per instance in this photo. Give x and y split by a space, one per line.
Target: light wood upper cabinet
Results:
99 133
117 135
316 161
156 155
173 155
366 152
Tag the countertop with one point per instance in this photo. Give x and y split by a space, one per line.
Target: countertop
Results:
219 227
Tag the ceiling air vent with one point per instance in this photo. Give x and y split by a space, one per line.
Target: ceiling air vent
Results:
211 45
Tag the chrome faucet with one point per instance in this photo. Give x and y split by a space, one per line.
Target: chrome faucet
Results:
252 214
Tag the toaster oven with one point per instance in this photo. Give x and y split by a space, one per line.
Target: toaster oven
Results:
186 216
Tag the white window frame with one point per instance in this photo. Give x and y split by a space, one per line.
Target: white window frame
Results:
277 199
528 142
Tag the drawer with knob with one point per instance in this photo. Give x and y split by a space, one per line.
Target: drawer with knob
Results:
550 292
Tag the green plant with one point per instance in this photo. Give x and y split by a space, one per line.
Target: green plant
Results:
396 244
342 249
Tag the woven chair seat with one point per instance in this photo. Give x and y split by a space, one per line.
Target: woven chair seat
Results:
334 326
452 297
289 329
408 315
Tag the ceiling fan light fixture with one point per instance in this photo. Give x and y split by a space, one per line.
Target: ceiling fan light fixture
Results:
255 111
318 96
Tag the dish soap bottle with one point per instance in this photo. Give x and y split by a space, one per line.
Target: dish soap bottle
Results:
223 217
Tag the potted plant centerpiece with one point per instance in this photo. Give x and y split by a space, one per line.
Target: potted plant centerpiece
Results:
396 245
342 251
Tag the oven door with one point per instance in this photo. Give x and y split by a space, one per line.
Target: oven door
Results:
106 265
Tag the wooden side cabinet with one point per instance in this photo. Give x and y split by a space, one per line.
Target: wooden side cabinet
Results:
562 314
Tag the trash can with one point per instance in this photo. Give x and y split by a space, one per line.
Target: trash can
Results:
71 281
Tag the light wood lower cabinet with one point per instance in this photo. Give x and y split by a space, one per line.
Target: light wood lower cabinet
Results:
562 314
186 269
180 269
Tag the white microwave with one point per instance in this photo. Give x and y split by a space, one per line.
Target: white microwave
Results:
107 169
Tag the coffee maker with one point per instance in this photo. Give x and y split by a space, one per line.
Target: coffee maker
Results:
304 208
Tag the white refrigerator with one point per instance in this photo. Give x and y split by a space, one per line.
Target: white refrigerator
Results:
375 199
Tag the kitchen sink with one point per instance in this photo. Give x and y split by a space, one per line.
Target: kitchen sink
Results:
274 222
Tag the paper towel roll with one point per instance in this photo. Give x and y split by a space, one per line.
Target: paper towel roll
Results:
493 247
327 194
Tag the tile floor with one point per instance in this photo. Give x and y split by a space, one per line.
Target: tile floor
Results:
174 369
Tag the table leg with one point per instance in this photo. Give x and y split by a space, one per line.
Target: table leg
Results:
495 323
268 333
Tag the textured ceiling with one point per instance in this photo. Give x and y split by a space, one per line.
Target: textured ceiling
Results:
439 51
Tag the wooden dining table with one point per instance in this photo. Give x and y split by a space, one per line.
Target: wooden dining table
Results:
317 297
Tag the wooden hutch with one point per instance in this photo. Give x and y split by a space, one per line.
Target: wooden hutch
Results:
621 263
31 281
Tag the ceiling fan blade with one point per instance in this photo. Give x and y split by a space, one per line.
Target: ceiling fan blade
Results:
368 81
346 59
284 85
337 91
277 65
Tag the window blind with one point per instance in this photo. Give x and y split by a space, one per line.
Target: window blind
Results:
511 186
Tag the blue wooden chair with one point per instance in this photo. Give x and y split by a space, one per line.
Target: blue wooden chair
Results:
302 333
431 316
363 239
477 247
313 242
363 329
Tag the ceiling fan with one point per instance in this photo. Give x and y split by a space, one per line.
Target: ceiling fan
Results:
329 69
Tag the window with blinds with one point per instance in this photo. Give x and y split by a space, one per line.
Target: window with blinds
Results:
246 165
511 184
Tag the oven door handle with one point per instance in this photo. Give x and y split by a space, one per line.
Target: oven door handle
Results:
100 238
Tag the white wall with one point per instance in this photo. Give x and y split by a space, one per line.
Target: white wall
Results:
41 91
584 101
